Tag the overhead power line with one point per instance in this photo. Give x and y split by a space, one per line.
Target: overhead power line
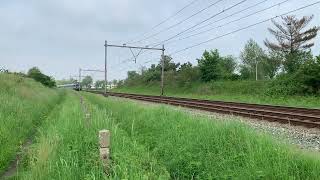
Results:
201 22
197 24
230 22
178 23
241 29
235 13
165 20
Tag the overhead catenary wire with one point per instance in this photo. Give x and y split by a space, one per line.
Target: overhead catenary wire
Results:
235 13
241 29
178 23
197 24
235 31
165 20
230 22
201 22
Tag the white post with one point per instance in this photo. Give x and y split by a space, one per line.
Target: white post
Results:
104 142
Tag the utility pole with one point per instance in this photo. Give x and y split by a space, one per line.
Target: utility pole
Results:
135 57
162 70
105 67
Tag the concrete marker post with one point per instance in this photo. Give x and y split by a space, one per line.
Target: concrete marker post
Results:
104 143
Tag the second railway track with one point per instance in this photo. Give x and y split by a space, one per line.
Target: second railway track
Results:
290 115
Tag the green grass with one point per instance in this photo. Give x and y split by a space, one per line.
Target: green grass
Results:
67 148
237 91
24 104
147 142
192 147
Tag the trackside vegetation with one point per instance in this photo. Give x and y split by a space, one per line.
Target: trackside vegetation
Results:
192 147
66 147
147 142
286 72
24 105
238 91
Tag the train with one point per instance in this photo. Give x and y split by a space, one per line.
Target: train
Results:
74 86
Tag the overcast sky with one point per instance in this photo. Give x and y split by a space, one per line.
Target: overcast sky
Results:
61 36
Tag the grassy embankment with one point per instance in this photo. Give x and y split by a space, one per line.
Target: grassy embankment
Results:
150 142
24 104
238 91
156 142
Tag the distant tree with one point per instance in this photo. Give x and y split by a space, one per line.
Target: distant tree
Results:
87 81
66 81
152 74
251 56
212 66
37 75
227 65
169 65
271 64
292 40
133 78
187 74
209 65
115 82
100 84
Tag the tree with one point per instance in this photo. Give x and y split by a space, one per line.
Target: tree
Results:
133 78
66 81
87 81
37 75
187 74
251 56
100 84
114 82
212 66
271 64
292 39
209 65
227 65
168 64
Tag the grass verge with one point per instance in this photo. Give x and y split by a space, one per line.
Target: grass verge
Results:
238 91
192 147
67 148
24 104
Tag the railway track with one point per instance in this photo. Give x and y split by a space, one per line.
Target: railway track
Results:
291 115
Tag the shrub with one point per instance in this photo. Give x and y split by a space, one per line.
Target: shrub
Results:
305 81
37 75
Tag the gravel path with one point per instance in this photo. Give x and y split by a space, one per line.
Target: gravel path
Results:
302 137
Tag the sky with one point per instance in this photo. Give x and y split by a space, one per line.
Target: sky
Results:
61 36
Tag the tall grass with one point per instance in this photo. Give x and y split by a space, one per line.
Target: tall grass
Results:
239 91
24 104
193 147
67 148
156 143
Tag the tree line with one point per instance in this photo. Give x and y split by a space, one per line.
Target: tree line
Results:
36 74
288 63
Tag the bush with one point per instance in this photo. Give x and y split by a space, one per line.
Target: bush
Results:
37 75
305 81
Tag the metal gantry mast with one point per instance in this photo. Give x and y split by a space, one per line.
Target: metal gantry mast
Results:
135 56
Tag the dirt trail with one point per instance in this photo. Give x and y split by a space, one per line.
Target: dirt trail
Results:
13 167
